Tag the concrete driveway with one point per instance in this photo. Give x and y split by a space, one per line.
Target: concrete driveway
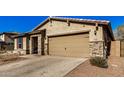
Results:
49 66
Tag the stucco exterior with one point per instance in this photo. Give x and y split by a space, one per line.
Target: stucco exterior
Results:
24 43
58 27
55 27
15 44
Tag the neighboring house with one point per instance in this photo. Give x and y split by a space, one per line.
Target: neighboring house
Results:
7 40
68 37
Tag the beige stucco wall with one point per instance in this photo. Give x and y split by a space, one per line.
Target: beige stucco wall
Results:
58 27
115 48
15 43
24 43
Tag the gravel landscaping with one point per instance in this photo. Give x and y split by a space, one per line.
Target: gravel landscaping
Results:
115 69
10 58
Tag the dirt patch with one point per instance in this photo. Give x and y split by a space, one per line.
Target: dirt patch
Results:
9 58
116 69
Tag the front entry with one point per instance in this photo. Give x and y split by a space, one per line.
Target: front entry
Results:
34 45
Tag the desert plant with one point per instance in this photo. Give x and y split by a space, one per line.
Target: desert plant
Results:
99 61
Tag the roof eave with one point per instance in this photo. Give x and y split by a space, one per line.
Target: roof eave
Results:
71 20
110 29
42 23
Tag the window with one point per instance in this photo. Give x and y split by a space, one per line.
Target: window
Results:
20 43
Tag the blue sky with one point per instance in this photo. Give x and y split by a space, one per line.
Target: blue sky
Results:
27 23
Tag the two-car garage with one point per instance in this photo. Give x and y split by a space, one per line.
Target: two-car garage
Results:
70 45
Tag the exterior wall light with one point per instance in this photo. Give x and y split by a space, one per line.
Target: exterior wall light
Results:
95 32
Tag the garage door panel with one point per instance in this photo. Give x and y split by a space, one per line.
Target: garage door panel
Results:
73 45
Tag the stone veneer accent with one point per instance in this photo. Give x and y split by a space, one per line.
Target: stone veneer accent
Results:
46 49
46 46
39 44
96 48
30 44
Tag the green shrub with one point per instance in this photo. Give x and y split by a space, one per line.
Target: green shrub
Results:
99 61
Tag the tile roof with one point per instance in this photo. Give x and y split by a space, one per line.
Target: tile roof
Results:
82 20
76 20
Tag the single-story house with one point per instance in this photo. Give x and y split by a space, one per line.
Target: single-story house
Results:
69 37
7 40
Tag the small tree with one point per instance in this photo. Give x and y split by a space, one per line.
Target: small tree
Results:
120 32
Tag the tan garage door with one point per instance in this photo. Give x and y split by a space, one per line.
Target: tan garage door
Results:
71 45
